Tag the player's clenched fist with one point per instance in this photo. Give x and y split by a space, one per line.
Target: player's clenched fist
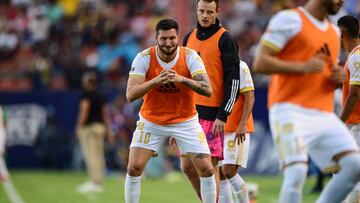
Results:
314 65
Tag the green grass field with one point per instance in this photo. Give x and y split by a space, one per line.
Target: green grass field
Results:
59 187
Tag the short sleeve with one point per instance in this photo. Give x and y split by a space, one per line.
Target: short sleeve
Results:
282 27
140 65
246 82
354 68
194 62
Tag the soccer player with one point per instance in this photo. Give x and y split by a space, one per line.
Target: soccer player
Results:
167 77
9 188
237 141
219 52
349 27
300 51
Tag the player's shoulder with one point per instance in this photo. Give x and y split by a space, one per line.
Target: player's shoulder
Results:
145 52
189 51
286 16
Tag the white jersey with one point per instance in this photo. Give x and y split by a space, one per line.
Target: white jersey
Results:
353 64
246 82
141 63
285 25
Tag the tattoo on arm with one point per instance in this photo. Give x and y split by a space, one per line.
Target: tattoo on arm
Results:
200 84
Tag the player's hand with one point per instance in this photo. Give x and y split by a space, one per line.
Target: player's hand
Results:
337 75
174 77
162 78
240 134
218 127
314 65
172 143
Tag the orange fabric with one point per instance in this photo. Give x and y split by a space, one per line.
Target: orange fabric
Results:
234 119
211 55
355 115
168 103
307 90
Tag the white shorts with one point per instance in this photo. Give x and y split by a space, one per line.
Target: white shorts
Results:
355 131
189 136
299 131
235 154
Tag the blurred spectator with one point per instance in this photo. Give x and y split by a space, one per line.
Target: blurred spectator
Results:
122 118
91 129
9 42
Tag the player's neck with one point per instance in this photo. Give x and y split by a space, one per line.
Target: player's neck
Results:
351 44
318 12
165 57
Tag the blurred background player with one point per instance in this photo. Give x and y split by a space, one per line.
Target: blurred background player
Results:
162 75
219 51
349 28
91 129
9 188
237 141
300 50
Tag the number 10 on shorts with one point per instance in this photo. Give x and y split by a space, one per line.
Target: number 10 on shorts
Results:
139 136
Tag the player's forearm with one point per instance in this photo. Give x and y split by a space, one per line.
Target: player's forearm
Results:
200 84
135 92
350 103
249 100
267 63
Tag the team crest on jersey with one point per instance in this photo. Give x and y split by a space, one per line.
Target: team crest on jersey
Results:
168 88
357 65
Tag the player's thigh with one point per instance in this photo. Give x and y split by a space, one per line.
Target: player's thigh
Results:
190 137
287 128
355 131
215 142
148 135
335 139
236 154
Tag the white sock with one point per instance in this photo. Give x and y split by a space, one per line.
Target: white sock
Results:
225 195
293 183
343 182
208 189
354 195
132 189
239 188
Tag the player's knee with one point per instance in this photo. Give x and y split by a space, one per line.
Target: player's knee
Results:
295 176
135 169
351 164
188 169
206 171
229 171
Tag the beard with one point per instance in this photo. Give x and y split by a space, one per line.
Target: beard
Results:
167 51
332 7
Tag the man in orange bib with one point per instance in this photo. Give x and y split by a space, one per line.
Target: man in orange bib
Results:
300 51
219 51
349 27
167 76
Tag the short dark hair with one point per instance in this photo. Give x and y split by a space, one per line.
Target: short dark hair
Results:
216 2
167 24
350 24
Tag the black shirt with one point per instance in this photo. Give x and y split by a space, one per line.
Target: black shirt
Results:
96 104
